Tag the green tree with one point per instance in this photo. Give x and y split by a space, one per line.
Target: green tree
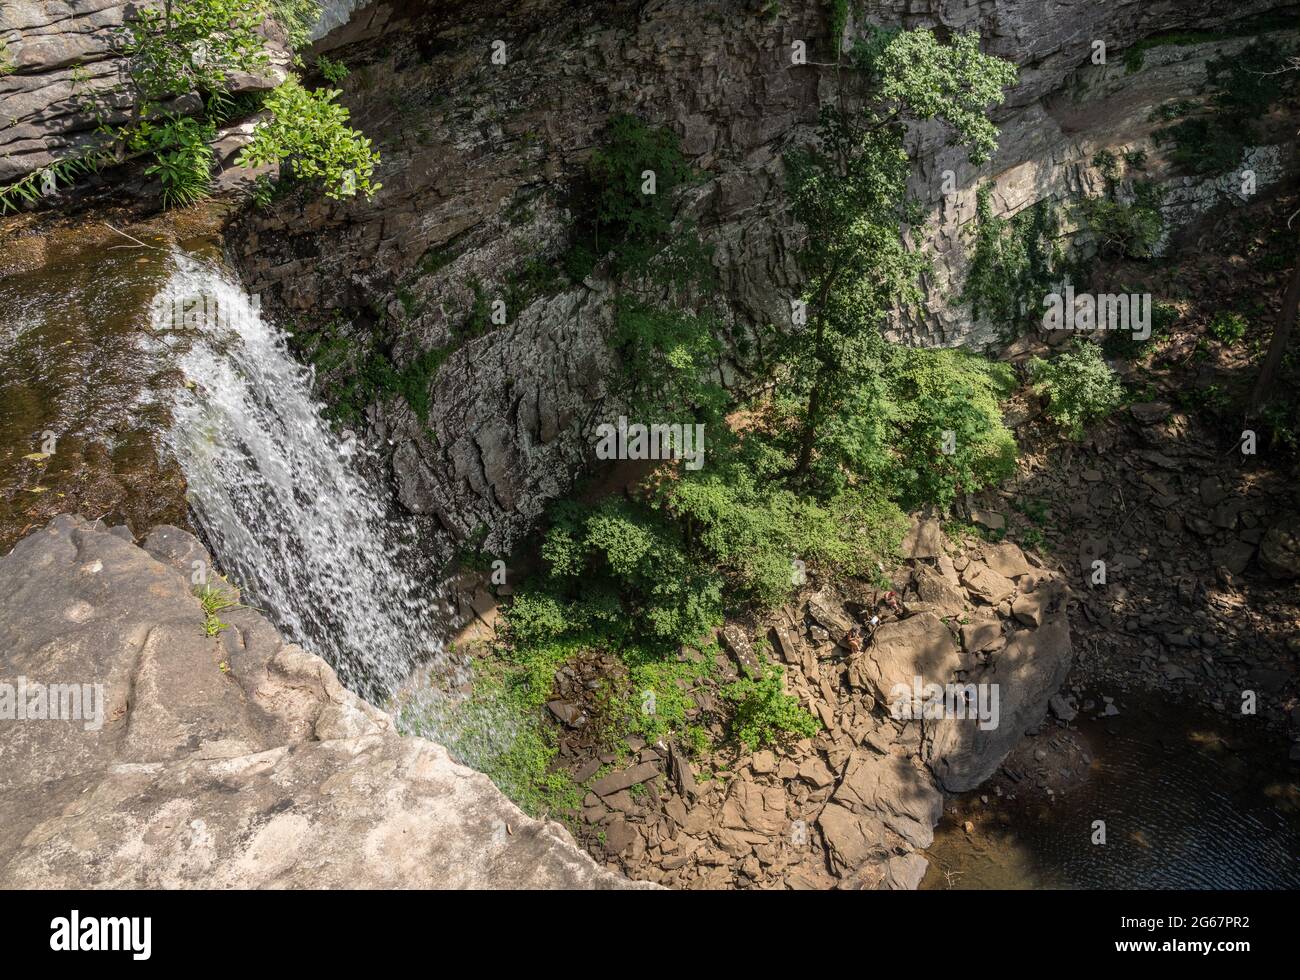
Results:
850 194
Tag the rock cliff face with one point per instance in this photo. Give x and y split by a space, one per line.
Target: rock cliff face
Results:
477 162
234 761
61 75
478 158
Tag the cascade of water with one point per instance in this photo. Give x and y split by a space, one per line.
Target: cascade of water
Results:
279 496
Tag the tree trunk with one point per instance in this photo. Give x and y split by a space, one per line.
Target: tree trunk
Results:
1281 338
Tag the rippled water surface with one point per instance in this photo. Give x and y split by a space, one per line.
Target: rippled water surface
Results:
1189 801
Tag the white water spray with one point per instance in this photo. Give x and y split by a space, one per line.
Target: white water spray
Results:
278 496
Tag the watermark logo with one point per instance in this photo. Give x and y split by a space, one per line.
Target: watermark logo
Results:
33 701
957 701
133 934
657 441
1086 311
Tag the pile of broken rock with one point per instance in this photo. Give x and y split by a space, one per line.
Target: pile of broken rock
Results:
852 807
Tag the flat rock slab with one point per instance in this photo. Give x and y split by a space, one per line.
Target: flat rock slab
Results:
904 649
985 583
893 791
236 761
616 781
1006 559
754 807
940 596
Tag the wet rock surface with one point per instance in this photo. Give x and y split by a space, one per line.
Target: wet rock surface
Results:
227 761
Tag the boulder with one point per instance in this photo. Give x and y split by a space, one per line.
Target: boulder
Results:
985 583
1006 559
830 615
753 807
893 791
904 649
1024 674
852 839
939 596
233 761
1279 551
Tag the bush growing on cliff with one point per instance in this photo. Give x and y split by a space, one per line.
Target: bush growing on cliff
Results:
308 132
764 714
922 425
619 571
622 202
194 47
1079 386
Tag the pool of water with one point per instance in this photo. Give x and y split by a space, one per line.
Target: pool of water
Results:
1189 799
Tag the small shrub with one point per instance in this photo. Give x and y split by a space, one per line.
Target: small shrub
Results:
182 160
1124 228
332 71
764 714
1228 328
614 218
215 599
308 132
1079 385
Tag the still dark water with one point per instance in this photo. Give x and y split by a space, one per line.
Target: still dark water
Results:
1189 799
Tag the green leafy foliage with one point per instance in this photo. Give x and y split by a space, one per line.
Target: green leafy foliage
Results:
297 17
850 193
332 71
622 569
190 45
1013 262
744 520
183 159
622 209
935 396
29 189
308 132
764 714
926 78
1079 385
1228 327
194 46
669 359
1125 220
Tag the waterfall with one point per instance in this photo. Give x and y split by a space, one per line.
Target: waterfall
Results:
279 496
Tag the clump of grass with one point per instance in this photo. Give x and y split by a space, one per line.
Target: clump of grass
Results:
215 599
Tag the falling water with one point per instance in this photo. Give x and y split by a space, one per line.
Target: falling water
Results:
279 495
